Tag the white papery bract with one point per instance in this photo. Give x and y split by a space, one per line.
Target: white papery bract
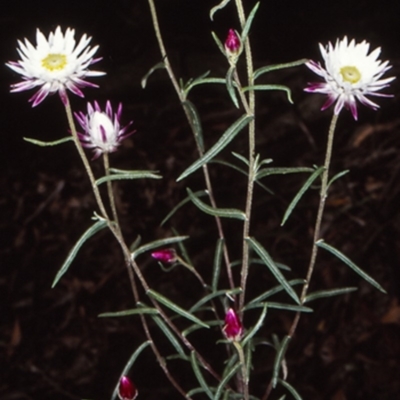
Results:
102 129
55 64
350 74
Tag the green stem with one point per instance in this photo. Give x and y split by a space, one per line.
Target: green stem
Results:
250 185
245 378
110 191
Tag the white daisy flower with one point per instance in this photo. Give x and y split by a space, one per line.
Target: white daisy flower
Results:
350 73
56 64
102 129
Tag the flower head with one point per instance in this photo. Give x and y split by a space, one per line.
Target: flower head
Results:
55 64
126 389
233 328
350 73
232 43
102 129
165 255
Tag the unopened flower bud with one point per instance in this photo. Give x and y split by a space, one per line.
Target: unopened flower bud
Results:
232 43
126 390
165 255
233 328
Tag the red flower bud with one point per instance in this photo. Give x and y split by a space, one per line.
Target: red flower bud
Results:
233 328
126 390
232 43
165 255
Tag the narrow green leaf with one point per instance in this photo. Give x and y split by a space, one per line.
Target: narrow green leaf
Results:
225 380
241 158
199 375
280 354
263 254
230 86
336 177
218 43
194 391
290 388
217 264
271 87
218 7
195 327
205 299
216 212
328 293
135 244
157 243
170 336
128 175
195 123
281 171
45 144
224 140
129 364
199 193
203 81
349 263
133 311
146 77
269 68
299 195
100 224
256 301
256 327
175 308
249 21
280 306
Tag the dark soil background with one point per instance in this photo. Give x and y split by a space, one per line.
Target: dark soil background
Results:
52 343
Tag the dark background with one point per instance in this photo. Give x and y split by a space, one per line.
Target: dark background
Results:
52 344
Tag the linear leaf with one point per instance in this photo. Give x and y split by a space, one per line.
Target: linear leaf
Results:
100 224
159 65
249 21
129 364
281 171
280 354
269 68
349 263
336 177
203 81
271 87
271 292
231 87
300 193
175 308
225 292
45 144
218 7
225 380
195 327
217 264
216 212
199 375
218 43
195 122
256 327
290 388
328 293
263 254
224 140
128 175
199 193
157 243
170 336
132 311
241 158
280 306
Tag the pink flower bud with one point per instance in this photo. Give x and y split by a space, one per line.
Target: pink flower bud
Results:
233 328
165 255
126 390
232 43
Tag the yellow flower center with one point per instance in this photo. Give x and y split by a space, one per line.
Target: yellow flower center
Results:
54 62
350 74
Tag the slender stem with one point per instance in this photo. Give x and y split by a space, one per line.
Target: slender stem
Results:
110 191
250 185
245 378
84 159
317 230
182 98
